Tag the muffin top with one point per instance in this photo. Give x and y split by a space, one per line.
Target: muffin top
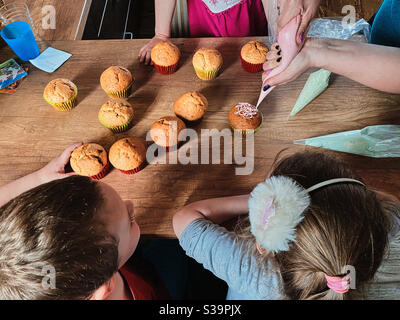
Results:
254 52
116 79
207 59
161 133
128 154
89 159
245 117
116 113
191 106
165 54
60 90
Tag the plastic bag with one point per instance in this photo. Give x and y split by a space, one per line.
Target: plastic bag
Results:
335 28
272 18
381 141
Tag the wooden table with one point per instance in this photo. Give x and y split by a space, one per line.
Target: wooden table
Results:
71 18
32 132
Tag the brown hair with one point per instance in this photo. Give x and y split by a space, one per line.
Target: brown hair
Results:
345 225
56 225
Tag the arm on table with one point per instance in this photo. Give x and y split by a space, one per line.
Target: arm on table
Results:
216 210
52 171
164 11
371 65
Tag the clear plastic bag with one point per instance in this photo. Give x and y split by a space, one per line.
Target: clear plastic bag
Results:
272 18
335 28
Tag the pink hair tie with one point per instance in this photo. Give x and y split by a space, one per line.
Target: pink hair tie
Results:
339 284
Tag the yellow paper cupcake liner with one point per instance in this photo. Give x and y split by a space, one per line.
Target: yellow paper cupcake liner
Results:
207 75
123 94
255 130
65 106
118 129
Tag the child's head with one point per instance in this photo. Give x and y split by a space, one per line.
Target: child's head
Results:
346 224
77 226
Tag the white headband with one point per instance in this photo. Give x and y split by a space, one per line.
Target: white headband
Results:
276 207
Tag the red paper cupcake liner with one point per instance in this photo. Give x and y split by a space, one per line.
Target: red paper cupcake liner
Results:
166 70
103 172
134 171
250 67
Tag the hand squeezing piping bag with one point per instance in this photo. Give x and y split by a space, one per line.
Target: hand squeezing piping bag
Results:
290 48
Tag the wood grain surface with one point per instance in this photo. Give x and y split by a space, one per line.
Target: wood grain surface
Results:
32 132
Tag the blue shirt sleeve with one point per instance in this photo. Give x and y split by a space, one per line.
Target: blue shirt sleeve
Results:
226 255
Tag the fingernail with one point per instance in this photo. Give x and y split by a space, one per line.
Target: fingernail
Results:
266 87
268 72
279 60
301 38
279 52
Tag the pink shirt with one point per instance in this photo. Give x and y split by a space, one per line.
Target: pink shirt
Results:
226 18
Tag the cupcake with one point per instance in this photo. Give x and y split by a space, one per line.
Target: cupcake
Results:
117 82
191 106
253 56
90 160
116 115
165 57
207 63
165 131
128 155
61 94
244 117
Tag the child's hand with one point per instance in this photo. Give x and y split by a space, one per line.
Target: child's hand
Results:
291 8
145 52
55 169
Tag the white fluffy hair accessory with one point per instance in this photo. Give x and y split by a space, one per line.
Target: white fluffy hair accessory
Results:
276 207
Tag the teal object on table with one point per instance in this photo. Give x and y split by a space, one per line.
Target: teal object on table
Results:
315 85
381 141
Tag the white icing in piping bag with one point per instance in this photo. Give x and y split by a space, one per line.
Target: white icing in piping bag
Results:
290 49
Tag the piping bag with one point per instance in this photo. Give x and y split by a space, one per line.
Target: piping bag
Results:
287 42
381 141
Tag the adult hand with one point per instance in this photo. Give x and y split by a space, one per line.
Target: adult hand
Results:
301 63
55 169
291 8
145 52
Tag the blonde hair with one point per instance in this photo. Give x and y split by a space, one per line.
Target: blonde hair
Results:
345 225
